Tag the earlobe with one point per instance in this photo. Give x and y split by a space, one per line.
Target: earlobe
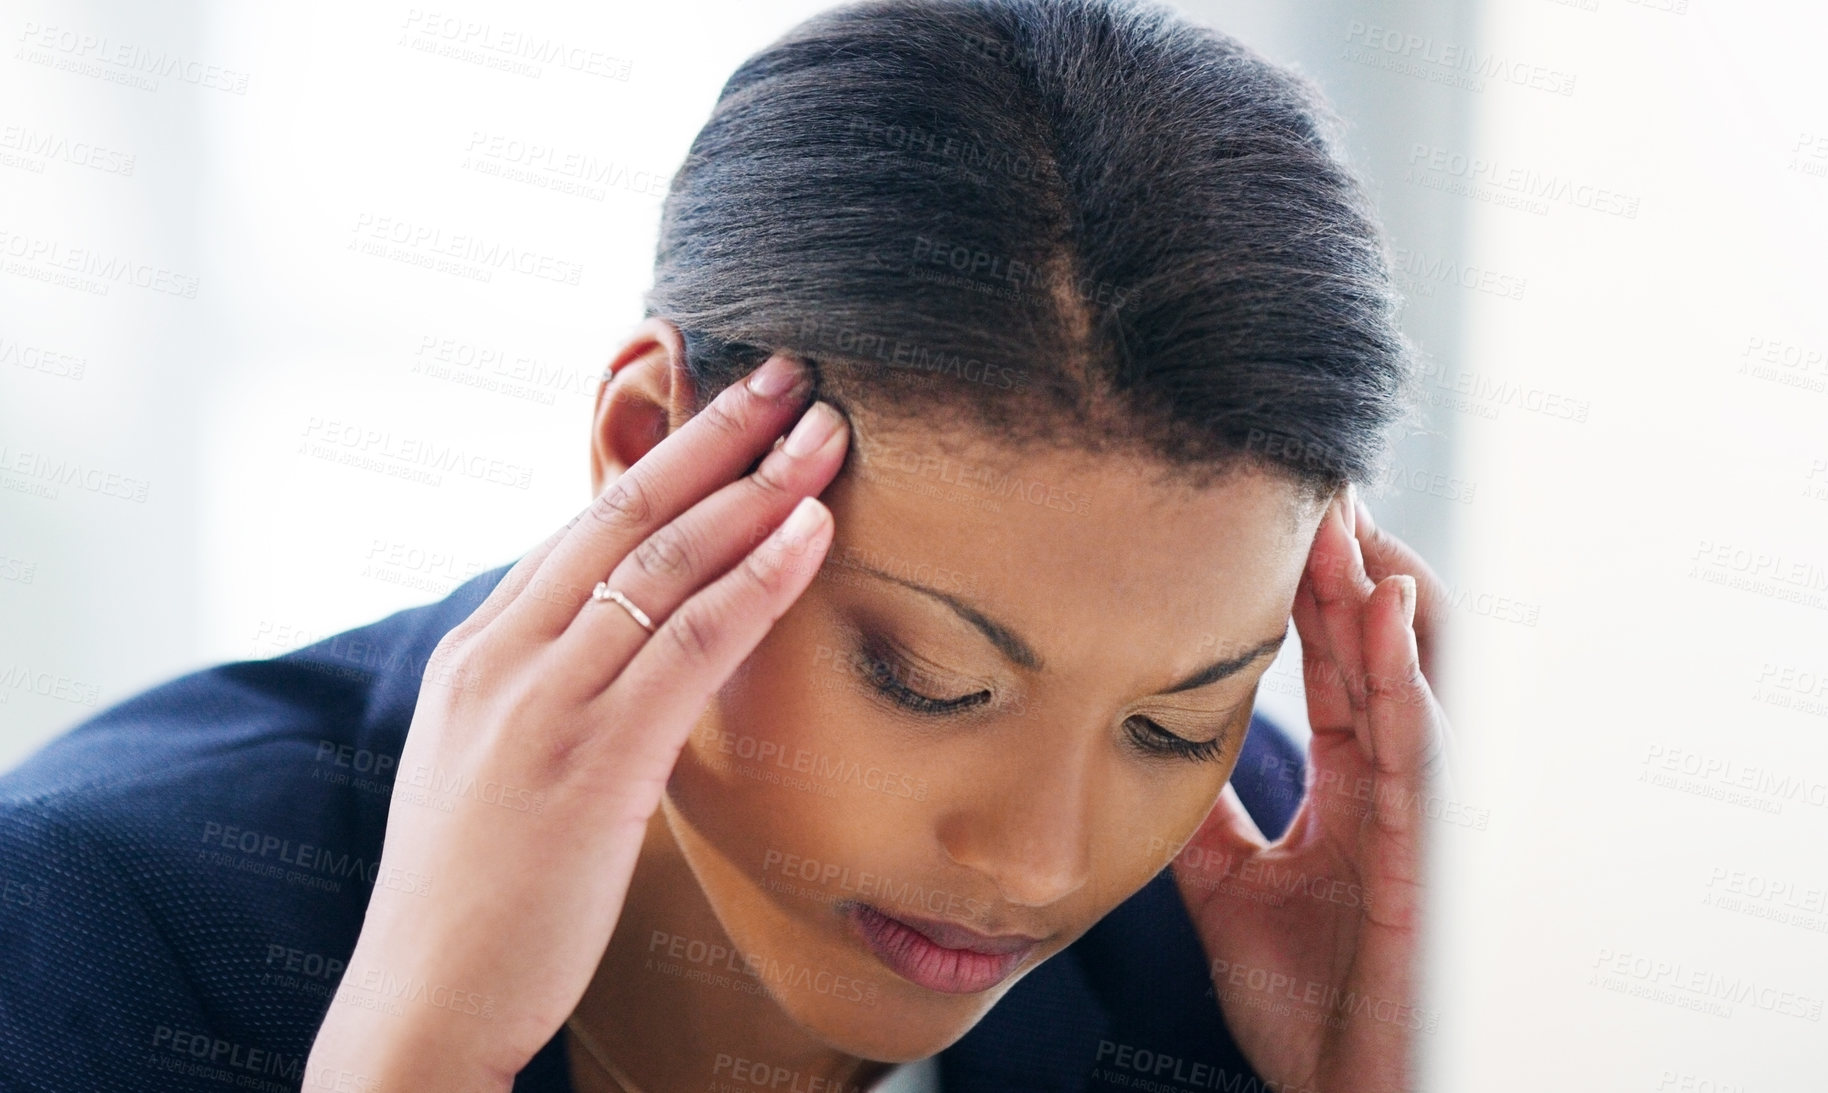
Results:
646 392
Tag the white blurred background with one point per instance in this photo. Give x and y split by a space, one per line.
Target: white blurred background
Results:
217 382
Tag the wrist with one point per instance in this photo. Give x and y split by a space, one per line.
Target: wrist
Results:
359 1051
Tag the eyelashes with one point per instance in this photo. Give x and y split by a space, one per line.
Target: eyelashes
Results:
1156 740
887 670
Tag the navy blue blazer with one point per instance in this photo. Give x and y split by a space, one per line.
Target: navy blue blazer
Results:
183 874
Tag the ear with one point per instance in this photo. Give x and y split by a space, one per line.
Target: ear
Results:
646 393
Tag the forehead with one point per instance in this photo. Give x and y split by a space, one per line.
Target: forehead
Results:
1078 551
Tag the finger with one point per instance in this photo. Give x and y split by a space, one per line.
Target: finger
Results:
507 588
1406 728
712 449
650 709
1329 601
1329 708
706 540
1385 554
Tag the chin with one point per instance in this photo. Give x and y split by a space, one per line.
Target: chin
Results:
808 958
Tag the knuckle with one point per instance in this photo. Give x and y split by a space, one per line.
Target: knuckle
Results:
769 479
1405 686
761 574
446 656
724 416
460 642
693 635
547 590
668 552
458 663
625 504
460 635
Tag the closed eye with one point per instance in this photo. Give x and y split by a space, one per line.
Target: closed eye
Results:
1154 740
887 671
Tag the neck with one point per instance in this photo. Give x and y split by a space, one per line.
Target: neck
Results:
667 1032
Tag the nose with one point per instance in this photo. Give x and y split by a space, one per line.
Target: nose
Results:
1027 818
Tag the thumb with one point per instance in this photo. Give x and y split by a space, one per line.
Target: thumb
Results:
1385 554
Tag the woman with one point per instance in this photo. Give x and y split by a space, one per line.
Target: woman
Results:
722 786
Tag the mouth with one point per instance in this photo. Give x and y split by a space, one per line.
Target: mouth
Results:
939 956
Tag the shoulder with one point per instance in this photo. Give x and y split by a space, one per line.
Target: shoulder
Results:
356 688
75 938
183 875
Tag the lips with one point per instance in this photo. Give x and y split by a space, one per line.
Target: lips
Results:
940 956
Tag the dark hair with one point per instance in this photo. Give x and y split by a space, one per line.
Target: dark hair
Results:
1083 222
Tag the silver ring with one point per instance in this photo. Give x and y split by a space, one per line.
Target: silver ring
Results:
605 594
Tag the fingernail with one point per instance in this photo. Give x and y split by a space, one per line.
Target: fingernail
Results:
1363 512
1406 585
775 377
815 427
1348 509
800 523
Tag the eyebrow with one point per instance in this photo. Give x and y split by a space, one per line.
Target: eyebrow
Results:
1011 645
1220 669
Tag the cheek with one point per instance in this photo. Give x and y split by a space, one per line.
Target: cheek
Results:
794 764
1175 809
782 763
1157 822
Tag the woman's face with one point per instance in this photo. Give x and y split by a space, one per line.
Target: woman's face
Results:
991 709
